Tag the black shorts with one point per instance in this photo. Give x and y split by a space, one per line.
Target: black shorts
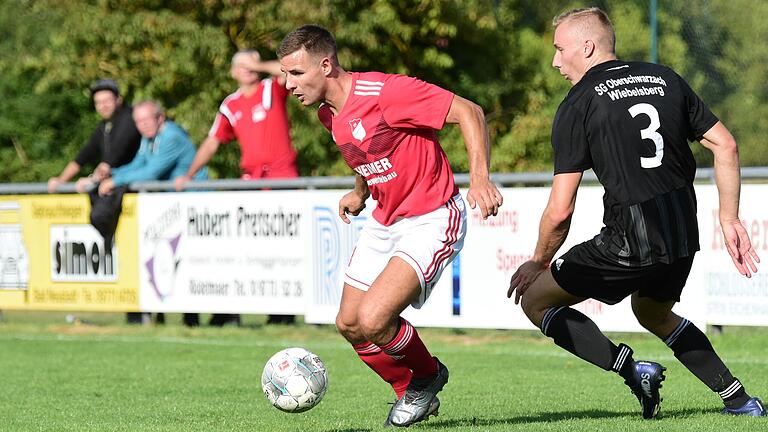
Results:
584 272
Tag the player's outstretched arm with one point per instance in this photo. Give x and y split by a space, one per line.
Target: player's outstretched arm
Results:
728 179
353 202
471 119
553 229
69 171
204 154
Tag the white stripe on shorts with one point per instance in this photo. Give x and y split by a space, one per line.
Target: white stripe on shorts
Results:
451 234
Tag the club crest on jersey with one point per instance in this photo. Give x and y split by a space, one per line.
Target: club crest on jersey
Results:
258 113
358 131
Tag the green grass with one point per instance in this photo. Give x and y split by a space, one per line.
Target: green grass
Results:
108 376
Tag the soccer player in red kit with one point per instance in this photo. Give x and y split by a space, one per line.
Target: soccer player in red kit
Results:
385 127
255 115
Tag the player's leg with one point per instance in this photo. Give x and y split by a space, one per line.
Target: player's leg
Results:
424 246
369 259
546 305
694 350
391 370
380 322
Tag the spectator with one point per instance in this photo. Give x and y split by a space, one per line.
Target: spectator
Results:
113 143
255 115
165 152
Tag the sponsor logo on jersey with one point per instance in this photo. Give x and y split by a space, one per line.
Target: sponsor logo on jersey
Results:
377 167
558 263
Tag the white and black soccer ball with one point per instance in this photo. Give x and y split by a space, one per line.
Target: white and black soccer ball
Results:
294 380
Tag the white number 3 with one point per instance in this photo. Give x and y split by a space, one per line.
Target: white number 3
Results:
650 133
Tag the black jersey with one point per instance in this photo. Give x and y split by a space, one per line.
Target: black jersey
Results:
631 122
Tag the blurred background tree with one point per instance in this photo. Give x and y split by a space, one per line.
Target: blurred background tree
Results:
495 52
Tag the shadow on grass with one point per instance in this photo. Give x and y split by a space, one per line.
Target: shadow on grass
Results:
551 417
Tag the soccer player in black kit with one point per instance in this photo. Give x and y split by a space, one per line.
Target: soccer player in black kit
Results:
631 122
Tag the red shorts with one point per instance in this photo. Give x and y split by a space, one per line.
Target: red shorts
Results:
270 171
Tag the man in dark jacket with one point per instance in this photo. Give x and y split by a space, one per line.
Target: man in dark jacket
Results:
113 143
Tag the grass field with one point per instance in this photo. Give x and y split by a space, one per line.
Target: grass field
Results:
107 376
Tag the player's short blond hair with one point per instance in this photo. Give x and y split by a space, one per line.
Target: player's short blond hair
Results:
591 23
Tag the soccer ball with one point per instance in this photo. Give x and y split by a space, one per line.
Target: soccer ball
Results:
294 380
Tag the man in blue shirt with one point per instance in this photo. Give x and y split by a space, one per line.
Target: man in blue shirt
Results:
165 153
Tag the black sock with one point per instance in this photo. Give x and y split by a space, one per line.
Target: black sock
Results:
695 352
576 333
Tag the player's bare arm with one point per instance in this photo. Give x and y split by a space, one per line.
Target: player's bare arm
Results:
471 120
353 202
271 67
728 179
69 171
204 154
553 229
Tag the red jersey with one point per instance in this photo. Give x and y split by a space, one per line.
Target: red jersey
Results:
386 132
259 122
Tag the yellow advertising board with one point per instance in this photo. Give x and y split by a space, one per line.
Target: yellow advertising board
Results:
51 258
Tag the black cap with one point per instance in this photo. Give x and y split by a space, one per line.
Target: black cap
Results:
105 84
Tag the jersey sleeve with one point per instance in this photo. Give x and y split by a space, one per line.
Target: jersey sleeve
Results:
700 118
569 141
222 129
91 151
412 103
326 117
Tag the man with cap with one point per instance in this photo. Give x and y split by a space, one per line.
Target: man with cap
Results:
113 143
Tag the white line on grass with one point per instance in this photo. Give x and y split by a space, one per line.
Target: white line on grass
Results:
278 344
158 339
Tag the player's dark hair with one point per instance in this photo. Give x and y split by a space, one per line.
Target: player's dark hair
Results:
314 39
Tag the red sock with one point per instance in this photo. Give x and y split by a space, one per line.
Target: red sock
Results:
408 345
393 371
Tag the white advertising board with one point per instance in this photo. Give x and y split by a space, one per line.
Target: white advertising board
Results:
14 263
229 252
732 299
286 251
472 293
332 244
495 248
